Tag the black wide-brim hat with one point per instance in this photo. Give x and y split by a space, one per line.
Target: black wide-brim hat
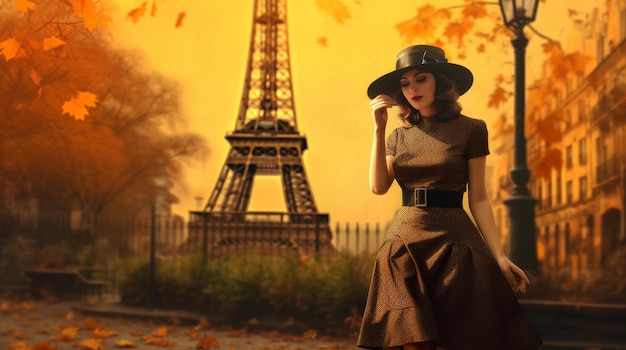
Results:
424 58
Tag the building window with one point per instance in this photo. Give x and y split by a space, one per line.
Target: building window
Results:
600 48
582 188
549 195
569 162
568 119
559 192
566 242
581 110
557 246
546 242
582 152
569 192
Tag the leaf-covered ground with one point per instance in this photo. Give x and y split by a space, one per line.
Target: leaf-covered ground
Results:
39 325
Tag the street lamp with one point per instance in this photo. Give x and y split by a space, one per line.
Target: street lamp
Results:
521 204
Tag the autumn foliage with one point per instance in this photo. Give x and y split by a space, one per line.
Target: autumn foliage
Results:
68 330
82 124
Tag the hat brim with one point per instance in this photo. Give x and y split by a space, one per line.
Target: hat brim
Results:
389 83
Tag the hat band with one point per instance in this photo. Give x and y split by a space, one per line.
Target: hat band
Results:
427 57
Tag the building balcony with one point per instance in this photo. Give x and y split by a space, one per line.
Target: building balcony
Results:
608 170
610 106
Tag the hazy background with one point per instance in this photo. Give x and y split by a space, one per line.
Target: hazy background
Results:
208 54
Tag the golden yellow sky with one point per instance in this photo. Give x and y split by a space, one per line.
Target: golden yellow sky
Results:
207 56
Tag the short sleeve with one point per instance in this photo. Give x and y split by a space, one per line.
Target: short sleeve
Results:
478 143
392 141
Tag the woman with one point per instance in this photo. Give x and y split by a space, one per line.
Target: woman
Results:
439 281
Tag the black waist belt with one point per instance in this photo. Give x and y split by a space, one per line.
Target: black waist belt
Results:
422 197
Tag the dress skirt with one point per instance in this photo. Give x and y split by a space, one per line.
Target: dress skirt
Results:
435 279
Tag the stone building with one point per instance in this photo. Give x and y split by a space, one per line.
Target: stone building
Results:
576 142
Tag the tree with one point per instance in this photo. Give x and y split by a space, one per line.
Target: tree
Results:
124 140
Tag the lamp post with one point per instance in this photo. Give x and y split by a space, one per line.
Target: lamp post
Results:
521 205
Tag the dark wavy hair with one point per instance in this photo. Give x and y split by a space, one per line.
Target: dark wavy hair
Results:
446 100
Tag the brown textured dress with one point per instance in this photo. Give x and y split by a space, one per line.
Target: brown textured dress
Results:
434 278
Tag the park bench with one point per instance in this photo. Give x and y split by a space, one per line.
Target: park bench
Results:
63 283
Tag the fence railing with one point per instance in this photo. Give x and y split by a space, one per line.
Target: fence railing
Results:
54 240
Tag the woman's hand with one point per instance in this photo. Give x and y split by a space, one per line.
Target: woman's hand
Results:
516 276
378 106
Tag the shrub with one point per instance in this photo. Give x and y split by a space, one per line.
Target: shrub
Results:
243 287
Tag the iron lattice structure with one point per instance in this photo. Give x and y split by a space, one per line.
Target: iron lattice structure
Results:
266 141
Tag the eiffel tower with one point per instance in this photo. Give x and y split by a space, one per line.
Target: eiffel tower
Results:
265 141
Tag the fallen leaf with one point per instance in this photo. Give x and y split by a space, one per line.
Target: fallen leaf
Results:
91 324
20 335
161 332
18 346
103 333
91 344
126 344
207 342
44 346
5 308
67 334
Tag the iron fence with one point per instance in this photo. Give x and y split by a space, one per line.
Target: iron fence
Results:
55 240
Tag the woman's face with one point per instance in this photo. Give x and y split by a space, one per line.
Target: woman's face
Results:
419 89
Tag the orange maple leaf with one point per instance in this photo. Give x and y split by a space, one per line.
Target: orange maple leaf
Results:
5 308
138 12
547 160
92 19
126 344
456 30
207 342
161 332
77 106
424 24
19 346
322 40
335 8
103 333
67 334
475 10
43 346
179 20
90 323
27 305
498 96
24 5
52 43
502 127
91 344
11 48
